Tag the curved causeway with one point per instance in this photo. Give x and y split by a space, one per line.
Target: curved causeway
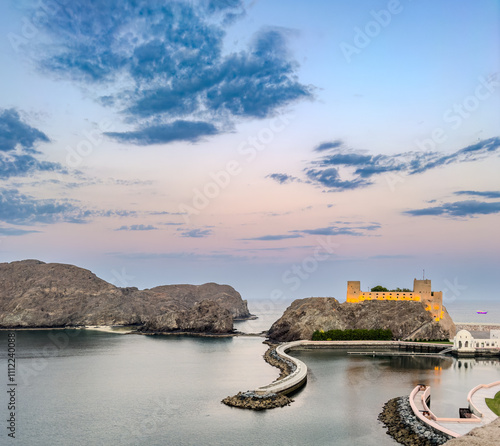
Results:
291 382
274 394
299 376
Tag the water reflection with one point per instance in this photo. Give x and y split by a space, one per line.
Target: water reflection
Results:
70 342
469 363
421 362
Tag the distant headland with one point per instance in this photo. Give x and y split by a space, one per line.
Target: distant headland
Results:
34 294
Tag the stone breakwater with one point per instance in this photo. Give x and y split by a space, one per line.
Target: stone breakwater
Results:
286 367
402 425
254 401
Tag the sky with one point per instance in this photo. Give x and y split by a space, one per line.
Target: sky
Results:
281 147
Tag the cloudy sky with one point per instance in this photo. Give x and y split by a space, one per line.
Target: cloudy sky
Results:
282 147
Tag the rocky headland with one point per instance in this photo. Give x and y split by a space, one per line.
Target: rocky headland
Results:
406 320
34 294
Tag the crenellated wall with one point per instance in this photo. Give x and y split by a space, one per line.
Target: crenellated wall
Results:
422 292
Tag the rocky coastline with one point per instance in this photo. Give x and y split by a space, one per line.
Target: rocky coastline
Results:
402 425
254 401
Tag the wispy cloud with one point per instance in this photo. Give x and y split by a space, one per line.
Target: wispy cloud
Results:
137 228
341 230
17 165
189 257
345 228
165 213
17 208
17 147
341 168
274 237
172 67
331 179
165 133
282 178
483 194
16 133
391 257
7 232
469 208
328 145
197 233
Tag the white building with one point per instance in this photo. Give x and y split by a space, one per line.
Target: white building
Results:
465 343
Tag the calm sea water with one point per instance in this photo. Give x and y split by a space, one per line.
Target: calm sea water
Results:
94 388
466 311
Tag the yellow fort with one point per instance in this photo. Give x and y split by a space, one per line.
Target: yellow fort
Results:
433 300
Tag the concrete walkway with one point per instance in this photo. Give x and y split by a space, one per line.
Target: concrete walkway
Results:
477 401
456 427
292 381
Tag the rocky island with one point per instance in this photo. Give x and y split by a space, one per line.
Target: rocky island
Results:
406 320
34 294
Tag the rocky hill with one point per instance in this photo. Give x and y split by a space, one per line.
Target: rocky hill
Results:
204 317
404 319
38 294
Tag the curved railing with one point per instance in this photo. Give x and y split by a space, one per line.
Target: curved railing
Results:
472 407
418 402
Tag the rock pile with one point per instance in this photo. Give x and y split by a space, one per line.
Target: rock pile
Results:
286 367
250 400
254 401
402 425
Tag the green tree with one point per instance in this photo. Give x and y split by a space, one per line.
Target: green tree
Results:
379 288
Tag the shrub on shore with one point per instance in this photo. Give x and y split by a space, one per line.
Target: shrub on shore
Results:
378 334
